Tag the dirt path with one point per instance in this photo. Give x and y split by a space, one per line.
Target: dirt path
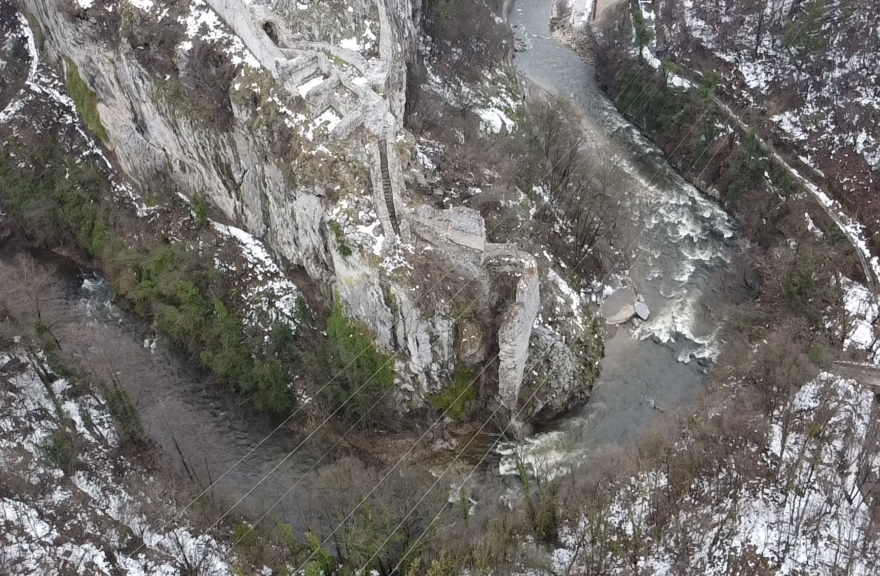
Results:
864 374
847 225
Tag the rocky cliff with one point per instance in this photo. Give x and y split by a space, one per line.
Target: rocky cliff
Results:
286 118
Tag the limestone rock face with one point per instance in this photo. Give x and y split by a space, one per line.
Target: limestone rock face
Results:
562 373
515 332
564 352
305 148
471 342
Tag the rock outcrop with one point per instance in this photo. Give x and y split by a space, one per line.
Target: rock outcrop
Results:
287 118
620 306
641 308
515 332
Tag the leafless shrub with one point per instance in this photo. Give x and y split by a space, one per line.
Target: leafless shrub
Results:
27 281
868 480
194 556
468 153
71 10
110 26
580 188
586 497
466 39
104 22
203 81
154 44
781 367
590 203
480 532
387 523
615 36
208 75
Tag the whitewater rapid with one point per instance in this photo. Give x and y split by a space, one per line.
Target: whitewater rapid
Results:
675 249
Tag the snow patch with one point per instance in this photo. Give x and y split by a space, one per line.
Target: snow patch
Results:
269 292
307 87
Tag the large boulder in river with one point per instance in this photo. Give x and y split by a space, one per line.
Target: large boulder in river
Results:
620 306
641 308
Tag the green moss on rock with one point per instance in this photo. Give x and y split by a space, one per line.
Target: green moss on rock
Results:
354 376
455 400
85 100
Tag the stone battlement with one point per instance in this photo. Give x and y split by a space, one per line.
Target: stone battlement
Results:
515 332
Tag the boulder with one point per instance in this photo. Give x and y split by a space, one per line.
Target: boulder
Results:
752 279
620 306
642 310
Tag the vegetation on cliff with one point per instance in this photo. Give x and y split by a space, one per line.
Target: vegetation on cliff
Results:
454 400
358 377
60 201
85 99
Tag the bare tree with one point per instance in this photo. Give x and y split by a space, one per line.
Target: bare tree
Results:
580 186
25 284
194 556
590 203
466 38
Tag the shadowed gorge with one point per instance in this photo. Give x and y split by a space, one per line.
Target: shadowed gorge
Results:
438 287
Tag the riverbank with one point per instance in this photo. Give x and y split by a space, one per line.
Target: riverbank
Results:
727 489
692 63
203 430
82 489
202 449
213 289
807 76
792 231
674 246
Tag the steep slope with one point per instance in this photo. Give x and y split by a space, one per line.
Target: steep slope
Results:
810 69
289 123
74 499
795 494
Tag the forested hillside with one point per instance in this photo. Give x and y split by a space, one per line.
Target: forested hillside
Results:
805 71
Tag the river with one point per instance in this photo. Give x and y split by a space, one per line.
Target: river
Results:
199 424
682 249
679 251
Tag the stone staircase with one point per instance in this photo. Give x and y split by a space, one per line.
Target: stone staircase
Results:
329 78
386 184
311 70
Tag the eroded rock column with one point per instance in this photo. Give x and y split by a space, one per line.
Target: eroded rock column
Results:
515 332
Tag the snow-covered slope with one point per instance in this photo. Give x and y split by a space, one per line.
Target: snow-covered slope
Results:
810 70
104 513
802 501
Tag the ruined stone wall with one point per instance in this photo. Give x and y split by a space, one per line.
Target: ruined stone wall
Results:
516 331
247 25
457 226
